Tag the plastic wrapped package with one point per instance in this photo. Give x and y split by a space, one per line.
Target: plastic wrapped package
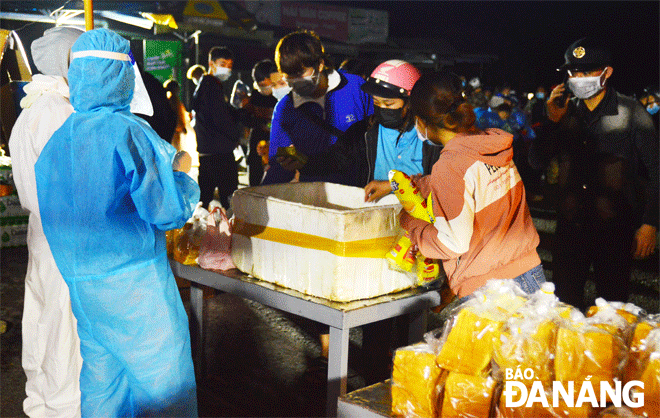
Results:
403 254
468 339
188 239
584 350
528 343
537 410
415 381
615 317
467 396
469 345
630 312
169 239
650 376
637 352
528 338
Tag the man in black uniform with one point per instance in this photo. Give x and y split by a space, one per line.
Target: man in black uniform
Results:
608 157
216 126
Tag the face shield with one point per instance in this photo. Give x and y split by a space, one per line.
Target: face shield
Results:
141 103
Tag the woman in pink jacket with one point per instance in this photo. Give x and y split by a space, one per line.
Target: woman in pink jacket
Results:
483 229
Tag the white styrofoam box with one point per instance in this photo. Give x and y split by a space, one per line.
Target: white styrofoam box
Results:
293 235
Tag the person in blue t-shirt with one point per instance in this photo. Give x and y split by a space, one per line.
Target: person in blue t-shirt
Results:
322 105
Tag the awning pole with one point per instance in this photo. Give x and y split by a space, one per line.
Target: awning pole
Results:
89 14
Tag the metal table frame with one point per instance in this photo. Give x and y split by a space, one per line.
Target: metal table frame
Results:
340 317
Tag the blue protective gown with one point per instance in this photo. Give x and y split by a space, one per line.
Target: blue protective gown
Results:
107 193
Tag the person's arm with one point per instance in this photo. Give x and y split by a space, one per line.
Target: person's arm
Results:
450 235
161 196
279 137
646 142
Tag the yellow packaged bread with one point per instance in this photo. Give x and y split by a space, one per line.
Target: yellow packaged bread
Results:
469 345
627 311
467 396
637 353
535 410
651 379
527 344
186 249
583 350
169 240
614 317
415 379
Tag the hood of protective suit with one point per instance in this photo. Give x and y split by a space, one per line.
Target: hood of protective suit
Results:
101 83
51 51
492 147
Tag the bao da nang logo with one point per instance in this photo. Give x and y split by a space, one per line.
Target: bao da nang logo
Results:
598 393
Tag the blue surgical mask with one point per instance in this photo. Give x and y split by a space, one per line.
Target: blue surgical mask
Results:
540 95
653 108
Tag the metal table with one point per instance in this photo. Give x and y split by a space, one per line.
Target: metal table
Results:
340 317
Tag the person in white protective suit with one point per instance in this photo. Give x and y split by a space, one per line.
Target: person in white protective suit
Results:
108 191
51 349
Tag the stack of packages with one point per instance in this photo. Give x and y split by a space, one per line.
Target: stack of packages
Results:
535 341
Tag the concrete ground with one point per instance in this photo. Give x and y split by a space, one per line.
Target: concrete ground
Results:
259 362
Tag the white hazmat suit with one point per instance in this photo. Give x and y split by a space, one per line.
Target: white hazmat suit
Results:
51 348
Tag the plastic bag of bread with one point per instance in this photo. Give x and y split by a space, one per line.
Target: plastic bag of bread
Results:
629 311
637 352
615 317
415 381
584 350
537 410
527 340
468 338
467 396
188 239
650 376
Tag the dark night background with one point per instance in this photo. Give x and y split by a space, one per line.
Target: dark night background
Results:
530 37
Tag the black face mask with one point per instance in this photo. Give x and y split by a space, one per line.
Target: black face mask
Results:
389 118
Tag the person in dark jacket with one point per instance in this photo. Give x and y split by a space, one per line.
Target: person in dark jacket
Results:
216 126
257 114
608 157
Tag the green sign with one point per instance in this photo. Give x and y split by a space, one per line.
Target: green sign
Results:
163 59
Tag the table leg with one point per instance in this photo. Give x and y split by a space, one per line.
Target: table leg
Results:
418 323
337 368
197 326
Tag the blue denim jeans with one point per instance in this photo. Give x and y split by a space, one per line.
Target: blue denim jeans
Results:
529 282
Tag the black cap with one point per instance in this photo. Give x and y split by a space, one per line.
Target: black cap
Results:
586 54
